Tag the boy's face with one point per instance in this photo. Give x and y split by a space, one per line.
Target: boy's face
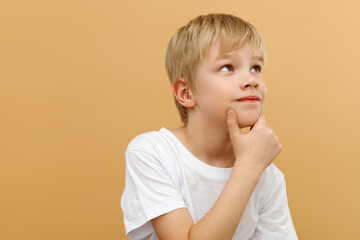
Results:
223 80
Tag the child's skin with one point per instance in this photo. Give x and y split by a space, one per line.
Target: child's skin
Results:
213 135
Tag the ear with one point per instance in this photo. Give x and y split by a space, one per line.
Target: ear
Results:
182 93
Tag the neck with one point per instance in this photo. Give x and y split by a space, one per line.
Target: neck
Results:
208 142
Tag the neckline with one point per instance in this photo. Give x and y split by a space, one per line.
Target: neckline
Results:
197 161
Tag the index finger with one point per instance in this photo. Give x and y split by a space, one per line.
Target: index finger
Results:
233 126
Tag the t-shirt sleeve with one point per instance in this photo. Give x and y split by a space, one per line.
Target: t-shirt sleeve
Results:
149 192
275 221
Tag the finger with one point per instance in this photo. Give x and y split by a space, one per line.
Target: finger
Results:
260 123
233 126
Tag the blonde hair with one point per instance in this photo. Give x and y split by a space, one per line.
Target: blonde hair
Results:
191 44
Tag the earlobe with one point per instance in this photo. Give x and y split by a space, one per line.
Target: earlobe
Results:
182 93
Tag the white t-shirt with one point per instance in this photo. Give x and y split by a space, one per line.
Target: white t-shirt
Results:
162 175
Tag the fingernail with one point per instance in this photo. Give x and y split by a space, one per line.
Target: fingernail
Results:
228 113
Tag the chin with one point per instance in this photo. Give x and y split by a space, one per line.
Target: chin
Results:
247 121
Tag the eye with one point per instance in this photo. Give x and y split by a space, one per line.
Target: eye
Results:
257 68
227 68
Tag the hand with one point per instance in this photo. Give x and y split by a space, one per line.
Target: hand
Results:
257 148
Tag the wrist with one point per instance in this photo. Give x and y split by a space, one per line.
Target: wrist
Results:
255 170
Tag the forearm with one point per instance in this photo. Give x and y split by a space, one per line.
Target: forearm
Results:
223 218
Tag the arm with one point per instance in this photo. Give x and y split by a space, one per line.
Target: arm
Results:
221 221
254 151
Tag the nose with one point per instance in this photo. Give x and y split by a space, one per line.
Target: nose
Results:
249 82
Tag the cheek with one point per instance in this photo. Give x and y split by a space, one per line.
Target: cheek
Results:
215 92
263 91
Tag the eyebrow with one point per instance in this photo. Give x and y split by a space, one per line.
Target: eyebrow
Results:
223 56
229 55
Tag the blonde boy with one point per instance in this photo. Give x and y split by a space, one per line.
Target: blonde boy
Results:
207 179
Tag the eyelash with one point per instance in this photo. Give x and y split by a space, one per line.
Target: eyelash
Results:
229 65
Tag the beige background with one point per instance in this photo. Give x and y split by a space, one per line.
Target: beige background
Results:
80 79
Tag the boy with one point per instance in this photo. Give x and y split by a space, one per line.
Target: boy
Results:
207 179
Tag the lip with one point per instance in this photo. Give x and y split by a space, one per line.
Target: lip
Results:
249 98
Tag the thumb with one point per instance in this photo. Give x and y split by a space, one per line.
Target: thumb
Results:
233 126
260 123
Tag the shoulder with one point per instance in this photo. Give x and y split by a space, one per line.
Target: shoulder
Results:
274 215
274 173
152 146
151 182
148 142
271 181
273 177
144 140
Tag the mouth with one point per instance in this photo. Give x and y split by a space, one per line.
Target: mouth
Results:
250 98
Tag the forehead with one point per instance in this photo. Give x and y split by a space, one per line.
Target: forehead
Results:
216 52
